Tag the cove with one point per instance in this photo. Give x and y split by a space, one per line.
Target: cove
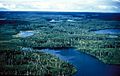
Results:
85 64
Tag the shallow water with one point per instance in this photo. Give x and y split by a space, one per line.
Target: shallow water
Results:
25 34
85 64
108 31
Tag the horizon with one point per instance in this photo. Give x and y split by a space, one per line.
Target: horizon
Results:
60 12
61 6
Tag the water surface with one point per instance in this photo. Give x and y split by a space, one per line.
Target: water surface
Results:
24 34
108 31
85 64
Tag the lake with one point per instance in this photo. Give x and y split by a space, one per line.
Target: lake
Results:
85 64
24 34
108 31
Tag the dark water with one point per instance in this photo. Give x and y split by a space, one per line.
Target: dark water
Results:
85 64
108 31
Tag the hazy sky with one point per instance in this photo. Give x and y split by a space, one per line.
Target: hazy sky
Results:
61 5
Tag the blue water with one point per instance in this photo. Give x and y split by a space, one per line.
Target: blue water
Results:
108 31
85 64
25 33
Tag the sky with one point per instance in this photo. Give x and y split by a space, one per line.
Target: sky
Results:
61 5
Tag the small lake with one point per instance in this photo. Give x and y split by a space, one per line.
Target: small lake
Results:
85 64
55 21
24 34
108 31
70 20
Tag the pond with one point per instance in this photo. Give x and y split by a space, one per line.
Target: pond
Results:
24 34
55 21
85 64
108 31
70 20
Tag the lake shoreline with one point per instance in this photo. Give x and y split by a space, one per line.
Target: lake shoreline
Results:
64 50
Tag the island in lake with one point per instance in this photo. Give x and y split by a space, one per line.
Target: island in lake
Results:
59 43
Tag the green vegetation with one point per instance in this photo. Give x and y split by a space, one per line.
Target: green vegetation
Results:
105 50
13 61
32 63
78 34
